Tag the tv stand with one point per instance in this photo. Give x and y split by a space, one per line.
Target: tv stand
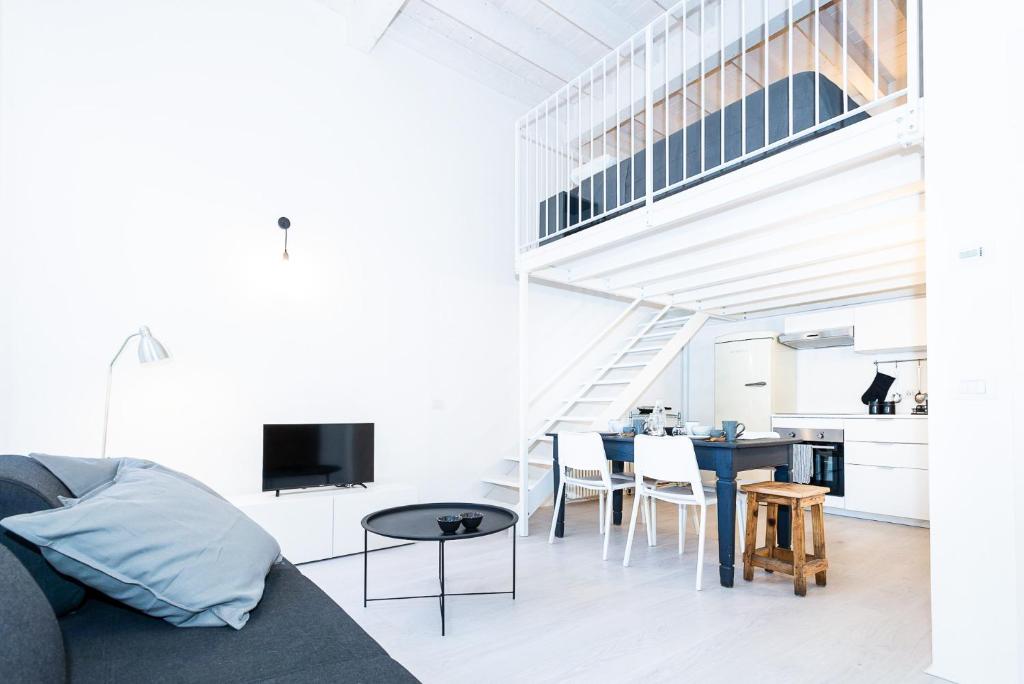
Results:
352 485
323 522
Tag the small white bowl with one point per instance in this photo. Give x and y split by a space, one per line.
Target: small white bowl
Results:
702 431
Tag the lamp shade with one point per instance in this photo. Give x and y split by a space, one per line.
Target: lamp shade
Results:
150 348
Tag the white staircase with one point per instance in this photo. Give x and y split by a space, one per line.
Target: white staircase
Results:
613 388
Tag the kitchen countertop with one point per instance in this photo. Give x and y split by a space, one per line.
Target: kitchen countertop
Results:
844 416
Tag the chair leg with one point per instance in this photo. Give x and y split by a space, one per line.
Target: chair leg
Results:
607 526
696 520
554 516
653 521
647 501
600 512
632 529
818 532
682 528
799 551
700 545
750 543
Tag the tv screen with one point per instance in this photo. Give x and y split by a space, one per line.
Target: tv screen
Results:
317 455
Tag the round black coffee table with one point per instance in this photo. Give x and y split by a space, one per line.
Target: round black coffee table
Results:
418 522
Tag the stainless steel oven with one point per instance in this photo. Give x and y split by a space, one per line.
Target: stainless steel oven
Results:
827 449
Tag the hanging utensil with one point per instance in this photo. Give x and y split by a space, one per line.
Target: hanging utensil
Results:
920 397
897 397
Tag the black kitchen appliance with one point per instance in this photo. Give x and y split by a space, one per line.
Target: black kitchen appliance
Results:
827 446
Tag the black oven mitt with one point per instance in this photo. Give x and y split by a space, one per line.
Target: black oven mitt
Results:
879 388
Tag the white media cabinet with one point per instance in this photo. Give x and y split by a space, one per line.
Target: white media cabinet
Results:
323 523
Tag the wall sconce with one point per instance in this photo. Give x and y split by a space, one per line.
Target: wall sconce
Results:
284 224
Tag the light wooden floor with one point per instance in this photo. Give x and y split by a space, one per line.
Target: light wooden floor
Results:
577 618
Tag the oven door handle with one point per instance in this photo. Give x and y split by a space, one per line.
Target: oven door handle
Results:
823 448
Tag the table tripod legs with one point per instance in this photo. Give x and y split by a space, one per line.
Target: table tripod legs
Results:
440 576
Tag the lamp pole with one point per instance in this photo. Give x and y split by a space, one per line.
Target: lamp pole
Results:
149 350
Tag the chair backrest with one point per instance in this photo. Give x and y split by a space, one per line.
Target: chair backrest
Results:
667 459
582 451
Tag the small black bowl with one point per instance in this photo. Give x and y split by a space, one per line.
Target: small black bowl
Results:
449 524
471 519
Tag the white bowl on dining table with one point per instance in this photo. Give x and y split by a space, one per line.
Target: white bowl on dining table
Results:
701 431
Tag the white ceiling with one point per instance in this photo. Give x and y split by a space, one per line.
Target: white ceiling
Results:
525 49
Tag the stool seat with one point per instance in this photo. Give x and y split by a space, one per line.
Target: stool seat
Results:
796 561
786 489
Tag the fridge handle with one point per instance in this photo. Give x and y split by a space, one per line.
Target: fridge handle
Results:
756 384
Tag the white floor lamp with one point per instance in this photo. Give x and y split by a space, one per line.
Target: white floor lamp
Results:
150 349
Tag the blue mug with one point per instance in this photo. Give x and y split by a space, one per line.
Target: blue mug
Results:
733 429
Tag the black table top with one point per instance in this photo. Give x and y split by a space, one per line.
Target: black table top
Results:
699 442
418 522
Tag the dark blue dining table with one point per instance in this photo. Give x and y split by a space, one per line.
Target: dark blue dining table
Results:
725 459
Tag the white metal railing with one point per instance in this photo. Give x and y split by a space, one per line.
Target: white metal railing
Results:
708 86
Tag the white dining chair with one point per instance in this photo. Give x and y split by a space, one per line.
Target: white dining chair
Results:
585 451
669 459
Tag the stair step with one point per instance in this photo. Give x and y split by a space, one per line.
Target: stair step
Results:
587 401
532 460
541 438
606 382
650 336
643 350
510 481
621 365
572 419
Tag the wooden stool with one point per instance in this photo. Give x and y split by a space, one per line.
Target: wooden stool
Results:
770 557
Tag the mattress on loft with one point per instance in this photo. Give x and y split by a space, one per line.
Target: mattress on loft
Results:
588 200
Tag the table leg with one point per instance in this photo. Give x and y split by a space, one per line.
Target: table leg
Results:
725 488
514 535
785 512
556 480
441 597
617 467
366 555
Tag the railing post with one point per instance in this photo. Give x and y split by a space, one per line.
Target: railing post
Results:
516 209
649 116
522 446
913 51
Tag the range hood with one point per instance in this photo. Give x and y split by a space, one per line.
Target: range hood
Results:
819 339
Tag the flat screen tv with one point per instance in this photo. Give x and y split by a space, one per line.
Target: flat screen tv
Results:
317 455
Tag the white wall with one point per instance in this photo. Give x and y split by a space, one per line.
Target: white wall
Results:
973 176
147 151
827 380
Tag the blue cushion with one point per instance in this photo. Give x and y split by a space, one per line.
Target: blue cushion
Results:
26 486
161 545
82 475
31 647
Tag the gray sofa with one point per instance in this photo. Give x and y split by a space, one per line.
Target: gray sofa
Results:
296 634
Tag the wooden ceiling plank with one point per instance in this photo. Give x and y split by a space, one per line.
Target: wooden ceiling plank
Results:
509 30
441 24
410 33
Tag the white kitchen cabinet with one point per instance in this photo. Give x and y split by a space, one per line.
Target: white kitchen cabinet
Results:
755 376
891 327
903 430
887 454
886 490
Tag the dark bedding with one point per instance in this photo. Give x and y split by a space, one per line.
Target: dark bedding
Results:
560 213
